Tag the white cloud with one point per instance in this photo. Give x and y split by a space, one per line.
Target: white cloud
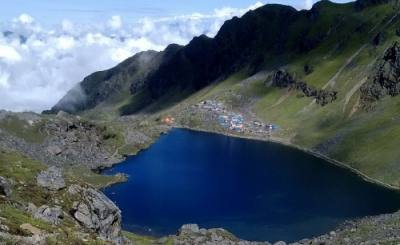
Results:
4 80
9 54
67 25
25 19
65 42
308 4
115 22
38 65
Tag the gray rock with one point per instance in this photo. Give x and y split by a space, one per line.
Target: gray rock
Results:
54 150
53 215
96 212
189 228
5 187
52 179
191 234
280 243
31 208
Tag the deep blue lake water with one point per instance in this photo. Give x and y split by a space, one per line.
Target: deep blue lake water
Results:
256 190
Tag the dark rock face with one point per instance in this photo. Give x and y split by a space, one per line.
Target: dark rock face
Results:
52 179
308 90
386 80
283 79
398 31
241 42
378 39
325 97
53 215
362 4
5 187
308 69
95 212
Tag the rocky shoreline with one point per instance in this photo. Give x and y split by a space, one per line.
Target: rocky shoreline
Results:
385 227
382 229
289 144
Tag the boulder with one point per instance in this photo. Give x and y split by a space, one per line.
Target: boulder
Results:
53 215
325 97
5 187
31 208
189 228
52 179
54 150
97 213
282 79
191 234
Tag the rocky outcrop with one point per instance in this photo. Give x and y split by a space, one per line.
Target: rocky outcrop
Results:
381 229
5 187
283 79
53 215
385 80
325 97
65 139
192 234
52 179
96 213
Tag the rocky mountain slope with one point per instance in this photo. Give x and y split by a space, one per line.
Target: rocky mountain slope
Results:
320 75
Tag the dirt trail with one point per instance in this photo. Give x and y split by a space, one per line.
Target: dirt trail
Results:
282 98
258 76
352 91
332 81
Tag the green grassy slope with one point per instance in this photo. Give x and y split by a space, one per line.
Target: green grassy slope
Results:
365 141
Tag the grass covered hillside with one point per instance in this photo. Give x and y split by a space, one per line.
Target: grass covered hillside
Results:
327 78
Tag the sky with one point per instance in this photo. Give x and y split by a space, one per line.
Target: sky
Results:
47 47
50 11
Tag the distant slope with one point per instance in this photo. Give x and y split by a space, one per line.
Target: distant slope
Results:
336 93
100 86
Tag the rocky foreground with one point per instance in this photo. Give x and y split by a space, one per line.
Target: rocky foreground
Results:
383 229
66 139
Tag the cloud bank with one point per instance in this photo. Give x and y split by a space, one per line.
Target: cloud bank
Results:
38 64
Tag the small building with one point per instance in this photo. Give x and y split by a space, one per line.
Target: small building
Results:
223 121
169 120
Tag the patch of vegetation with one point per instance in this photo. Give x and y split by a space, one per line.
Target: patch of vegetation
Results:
29 131
82 175
14 218
146 240
19 167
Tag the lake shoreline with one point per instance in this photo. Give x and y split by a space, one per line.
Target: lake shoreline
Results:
289 144
349 225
